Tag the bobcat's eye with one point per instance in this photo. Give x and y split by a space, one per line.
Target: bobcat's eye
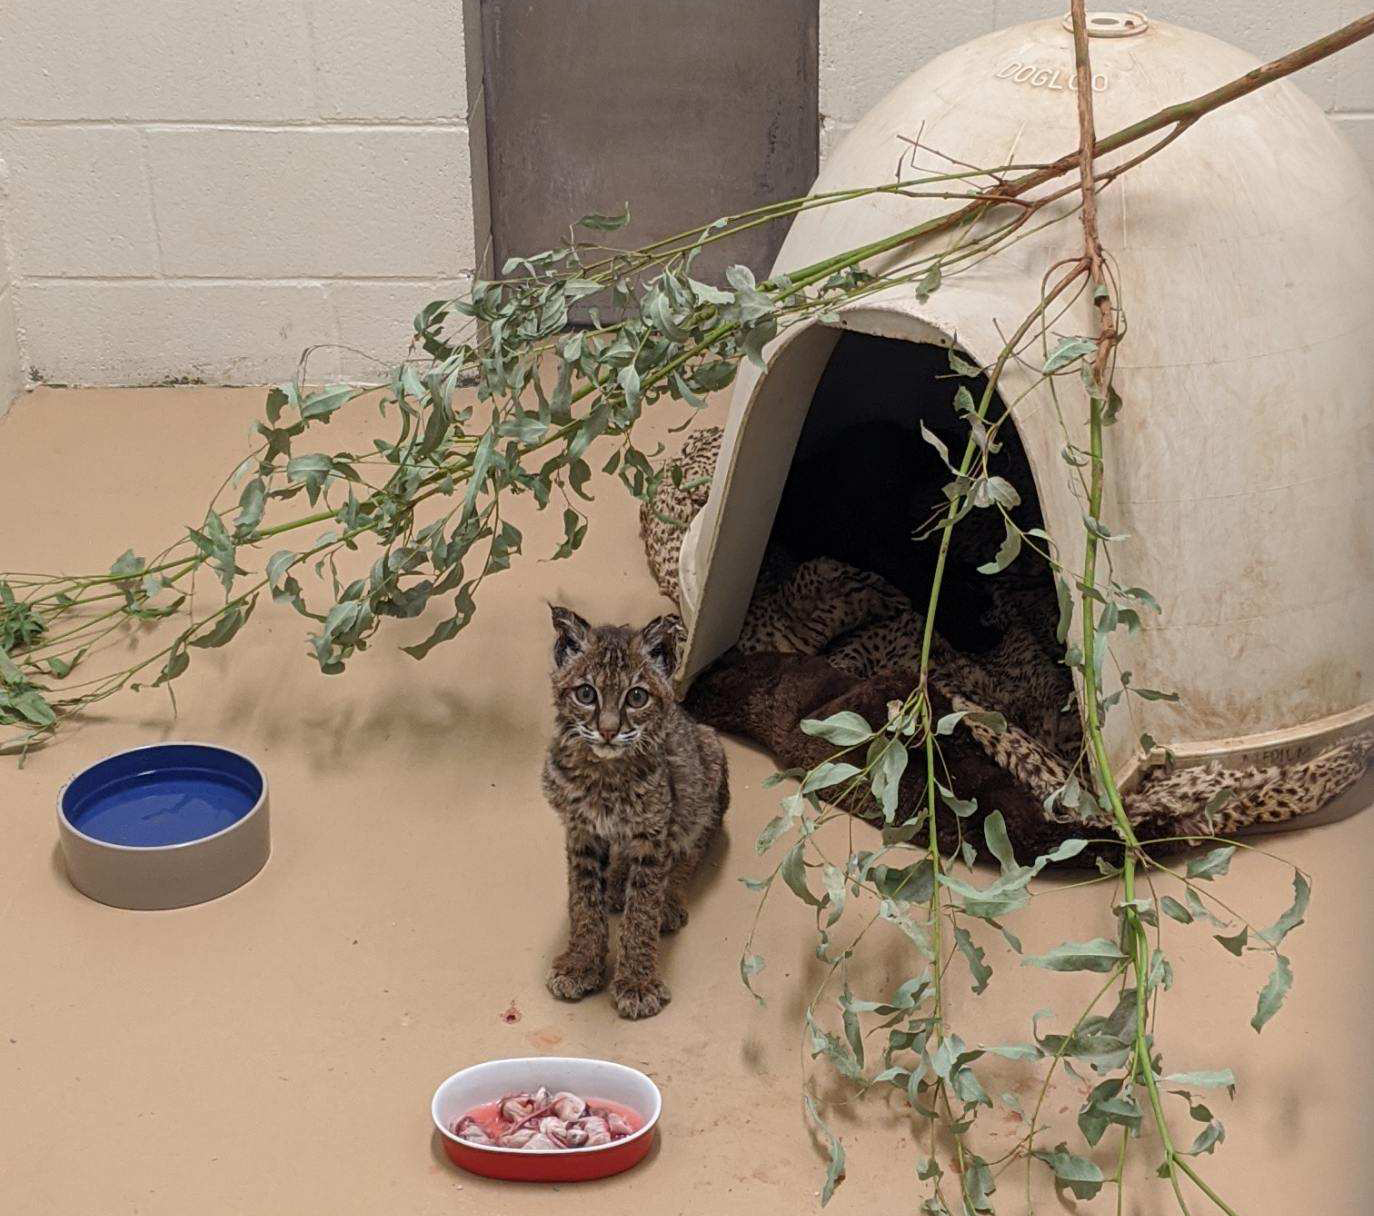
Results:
637 698
584 694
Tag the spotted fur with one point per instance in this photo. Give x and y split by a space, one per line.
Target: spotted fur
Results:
863 626
664 516
641 790
821 600
1259 794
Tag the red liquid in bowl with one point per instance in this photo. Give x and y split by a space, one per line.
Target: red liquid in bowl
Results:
488 1115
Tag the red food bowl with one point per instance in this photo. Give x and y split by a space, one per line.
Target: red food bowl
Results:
591 1079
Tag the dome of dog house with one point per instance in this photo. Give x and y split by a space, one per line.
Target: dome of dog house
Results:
1241 466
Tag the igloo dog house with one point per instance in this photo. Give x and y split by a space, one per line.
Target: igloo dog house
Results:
1242 466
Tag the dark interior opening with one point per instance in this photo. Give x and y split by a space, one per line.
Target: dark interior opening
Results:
865 485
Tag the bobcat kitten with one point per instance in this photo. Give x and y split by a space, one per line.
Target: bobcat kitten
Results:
641 790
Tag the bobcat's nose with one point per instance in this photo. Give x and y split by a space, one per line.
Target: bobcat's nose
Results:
607 732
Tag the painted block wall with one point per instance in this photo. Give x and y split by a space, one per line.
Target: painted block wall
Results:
198 191
11 363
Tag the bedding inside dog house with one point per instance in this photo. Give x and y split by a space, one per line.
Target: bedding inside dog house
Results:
1241 467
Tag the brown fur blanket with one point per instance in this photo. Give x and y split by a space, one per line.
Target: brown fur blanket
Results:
765 698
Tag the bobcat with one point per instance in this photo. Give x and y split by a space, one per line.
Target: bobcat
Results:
641 790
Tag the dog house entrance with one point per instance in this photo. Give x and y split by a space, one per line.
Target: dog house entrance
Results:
865 486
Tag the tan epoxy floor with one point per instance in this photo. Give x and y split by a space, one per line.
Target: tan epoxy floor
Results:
274 1052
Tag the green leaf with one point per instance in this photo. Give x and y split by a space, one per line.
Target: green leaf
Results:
834 1173
998 842
977 961
1065 608
1006 553
177 662
794 875
929 283
938 444
1207 1139
1293 917
299 467
993 721
128 564
628 379
828 774
1098 955
1236 943
606 223
278 564
276 400
251 504
834 893
574 530
226 627
1082 1177
1199 912
749 966
1271 996
1099 530
1107 1105
895 914
845 728
778 824
62 668
1216 862
1171 907
887 776
481 465
324 403
704 293
1153 694
961 366
1068 351
1216 1078
33 707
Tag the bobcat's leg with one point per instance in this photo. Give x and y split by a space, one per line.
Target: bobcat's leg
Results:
637 989
680 876
581 968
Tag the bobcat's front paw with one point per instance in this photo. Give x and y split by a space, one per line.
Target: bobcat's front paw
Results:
640 998
573 976
674 915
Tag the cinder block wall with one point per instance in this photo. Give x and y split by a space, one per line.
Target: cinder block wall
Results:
199 191
11 364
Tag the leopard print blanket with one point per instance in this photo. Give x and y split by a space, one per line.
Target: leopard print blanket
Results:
867 630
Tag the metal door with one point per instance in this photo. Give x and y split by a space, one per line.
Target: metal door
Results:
685 110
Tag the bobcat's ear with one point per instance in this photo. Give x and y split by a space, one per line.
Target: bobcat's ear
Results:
662 640
570 634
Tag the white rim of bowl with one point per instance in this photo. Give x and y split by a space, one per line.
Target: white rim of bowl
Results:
649 1123
67 825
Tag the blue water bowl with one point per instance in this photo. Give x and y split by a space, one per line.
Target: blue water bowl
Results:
164 826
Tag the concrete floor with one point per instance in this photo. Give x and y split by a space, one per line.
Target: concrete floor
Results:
275 1051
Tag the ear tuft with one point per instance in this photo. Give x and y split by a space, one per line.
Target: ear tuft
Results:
570 633
662 640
